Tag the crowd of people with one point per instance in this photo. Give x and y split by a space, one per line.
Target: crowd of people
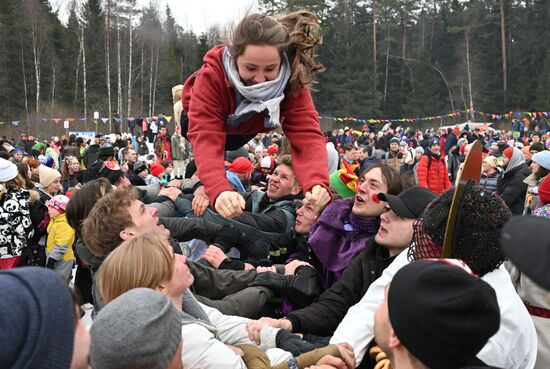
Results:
241 236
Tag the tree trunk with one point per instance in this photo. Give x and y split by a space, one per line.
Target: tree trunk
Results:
77 70
25 86
53 89
108 62
433 26
130 51
503 43
470 96
36 59
387 66
375 79
84 80
156 79
142 76
151 83
119 72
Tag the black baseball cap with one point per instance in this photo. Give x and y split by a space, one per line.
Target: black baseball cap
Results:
409 203
526 241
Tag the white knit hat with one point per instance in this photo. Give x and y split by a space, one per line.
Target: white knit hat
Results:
47 175
8 170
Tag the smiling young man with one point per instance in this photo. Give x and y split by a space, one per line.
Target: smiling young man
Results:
120 215
345 225
269 213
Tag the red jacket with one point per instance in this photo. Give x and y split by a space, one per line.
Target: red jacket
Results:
432 173
208 99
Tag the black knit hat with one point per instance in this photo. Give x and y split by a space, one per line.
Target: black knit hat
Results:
441 313
111 171
481 219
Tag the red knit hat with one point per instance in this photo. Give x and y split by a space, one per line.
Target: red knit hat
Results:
273 149
241 165
156 169
508 152
544 190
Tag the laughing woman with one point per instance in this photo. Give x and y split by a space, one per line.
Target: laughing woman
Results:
256 83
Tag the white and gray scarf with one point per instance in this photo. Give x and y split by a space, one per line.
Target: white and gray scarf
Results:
262 97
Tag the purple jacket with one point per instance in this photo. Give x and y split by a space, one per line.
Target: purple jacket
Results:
338 237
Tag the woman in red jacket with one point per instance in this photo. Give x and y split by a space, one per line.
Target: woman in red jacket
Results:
432 169
256 83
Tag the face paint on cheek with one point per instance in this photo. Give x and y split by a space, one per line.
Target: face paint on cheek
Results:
375 198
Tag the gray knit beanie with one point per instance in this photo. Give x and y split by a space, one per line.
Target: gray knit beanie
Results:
140 328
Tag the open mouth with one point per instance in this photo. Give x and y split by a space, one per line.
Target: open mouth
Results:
359 200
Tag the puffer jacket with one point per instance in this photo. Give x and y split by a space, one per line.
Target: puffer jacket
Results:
432 173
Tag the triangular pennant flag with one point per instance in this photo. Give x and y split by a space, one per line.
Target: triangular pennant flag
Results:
70 119
82 119
131 119
56 120
168 118
44 119
104 120
118 120
15 122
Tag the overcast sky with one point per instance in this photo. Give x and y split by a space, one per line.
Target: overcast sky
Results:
190 14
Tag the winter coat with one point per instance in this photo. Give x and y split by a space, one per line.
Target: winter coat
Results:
209 99
512 189
15 226
322 317
532 194
533 295
514 346
489 181
61 234
206 333
179 148
432 173
335 241
162 147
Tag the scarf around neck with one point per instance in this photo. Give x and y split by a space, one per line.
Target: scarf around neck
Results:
262 97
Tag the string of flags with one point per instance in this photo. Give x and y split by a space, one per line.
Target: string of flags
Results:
455 114
72 120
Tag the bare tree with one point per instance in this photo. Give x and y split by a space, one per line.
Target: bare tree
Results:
108 61
37 27
119 71
24 83
130 52
85 95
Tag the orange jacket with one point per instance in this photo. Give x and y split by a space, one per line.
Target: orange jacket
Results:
432 173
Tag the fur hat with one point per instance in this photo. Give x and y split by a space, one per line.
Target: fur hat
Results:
47 175
477 235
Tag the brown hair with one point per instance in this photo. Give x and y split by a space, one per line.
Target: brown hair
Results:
84 199
296 33
287 160
394 181
142 261
101 229
33 163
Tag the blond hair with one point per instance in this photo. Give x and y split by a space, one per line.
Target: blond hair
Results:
142 261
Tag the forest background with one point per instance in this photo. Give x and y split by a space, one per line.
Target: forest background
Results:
384 59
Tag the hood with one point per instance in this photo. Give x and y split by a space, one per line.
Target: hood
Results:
515 161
